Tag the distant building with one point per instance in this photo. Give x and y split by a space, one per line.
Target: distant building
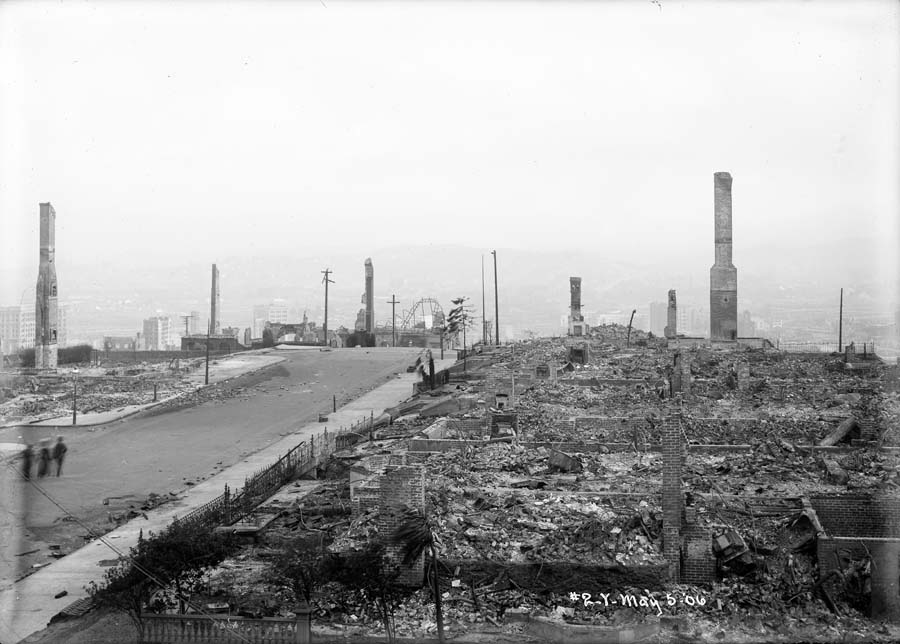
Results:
119 343
234 332
194 326
276 312
684 320
17 328
157 333
26 331
10 329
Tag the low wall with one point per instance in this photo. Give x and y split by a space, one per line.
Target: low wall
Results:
155 356
858 516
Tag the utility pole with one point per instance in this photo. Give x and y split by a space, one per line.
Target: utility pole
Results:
394 302
186 318
75 397
841 324
496 302
483 311
208 326
326 280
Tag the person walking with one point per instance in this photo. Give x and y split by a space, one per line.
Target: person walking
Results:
59 454
430 370
27 460
43 460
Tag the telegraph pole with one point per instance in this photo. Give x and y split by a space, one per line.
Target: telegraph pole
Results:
326 280
186 318
394 302
496 302
841 324
75 396
483 311
208 326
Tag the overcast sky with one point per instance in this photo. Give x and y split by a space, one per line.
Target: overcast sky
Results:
168 130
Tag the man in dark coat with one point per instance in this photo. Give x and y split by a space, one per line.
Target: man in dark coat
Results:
43 460
59 454
27 459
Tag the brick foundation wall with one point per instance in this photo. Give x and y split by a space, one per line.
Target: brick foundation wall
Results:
698 561
858 516
401 485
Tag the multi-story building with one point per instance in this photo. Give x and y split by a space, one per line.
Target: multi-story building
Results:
157 333
276 312
10 329
194 326
17 328
26 330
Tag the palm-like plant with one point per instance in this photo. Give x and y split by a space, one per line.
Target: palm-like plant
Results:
417 536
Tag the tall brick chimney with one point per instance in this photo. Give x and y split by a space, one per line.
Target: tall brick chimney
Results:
723 274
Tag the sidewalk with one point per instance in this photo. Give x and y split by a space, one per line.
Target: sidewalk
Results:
220 370
29 604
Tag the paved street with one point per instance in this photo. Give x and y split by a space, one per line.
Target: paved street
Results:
163 451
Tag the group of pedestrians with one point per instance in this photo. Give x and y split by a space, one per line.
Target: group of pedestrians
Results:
46 455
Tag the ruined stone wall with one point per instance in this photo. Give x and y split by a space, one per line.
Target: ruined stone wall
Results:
401 485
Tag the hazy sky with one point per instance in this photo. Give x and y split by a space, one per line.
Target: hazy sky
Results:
168 130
